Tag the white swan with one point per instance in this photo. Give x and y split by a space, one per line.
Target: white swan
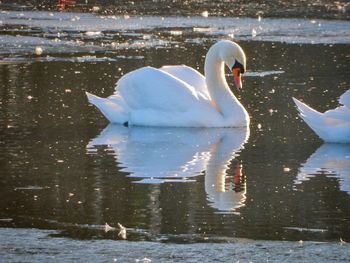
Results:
179 96
332 125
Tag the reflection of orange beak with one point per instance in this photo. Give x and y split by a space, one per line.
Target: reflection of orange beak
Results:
237 77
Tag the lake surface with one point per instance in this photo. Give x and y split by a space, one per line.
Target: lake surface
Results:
63 168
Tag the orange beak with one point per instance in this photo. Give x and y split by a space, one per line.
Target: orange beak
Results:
237 77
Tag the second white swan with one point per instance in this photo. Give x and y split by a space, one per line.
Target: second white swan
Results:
332 125
180 96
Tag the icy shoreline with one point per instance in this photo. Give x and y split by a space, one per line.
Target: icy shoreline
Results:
93 27
33 245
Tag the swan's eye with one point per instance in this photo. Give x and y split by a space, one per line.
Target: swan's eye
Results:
239 66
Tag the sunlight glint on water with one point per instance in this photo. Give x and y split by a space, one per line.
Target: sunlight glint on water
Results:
63 168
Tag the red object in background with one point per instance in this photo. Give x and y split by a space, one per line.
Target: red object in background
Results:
62 3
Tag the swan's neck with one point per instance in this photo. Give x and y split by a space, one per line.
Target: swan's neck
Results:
221 95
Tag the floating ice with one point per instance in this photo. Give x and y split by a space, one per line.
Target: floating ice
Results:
93 33
302 229
262 73
175 32
270 29
122 231
108 228
38 51
95 9
60 32
254 33
205 14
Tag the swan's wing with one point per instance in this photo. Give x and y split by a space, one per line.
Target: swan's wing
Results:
340 113
345 99
325 125
154 97
330 117
308 113
157 98
190 76
157 90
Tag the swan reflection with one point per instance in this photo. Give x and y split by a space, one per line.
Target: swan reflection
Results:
158 155
333 160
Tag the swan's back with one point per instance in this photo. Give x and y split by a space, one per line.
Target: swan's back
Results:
151 88
190 76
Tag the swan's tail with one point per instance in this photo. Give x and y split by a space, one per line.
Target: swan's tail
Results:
327 128
308 113
314 119
111 110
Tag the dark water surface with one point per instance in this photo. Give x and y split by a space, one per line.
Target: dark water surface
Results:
63 168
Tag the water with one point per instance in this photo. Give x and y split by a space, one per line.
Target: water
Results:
64 168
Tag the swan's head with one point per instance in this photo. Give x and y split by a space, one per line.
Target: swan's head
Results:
233 56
